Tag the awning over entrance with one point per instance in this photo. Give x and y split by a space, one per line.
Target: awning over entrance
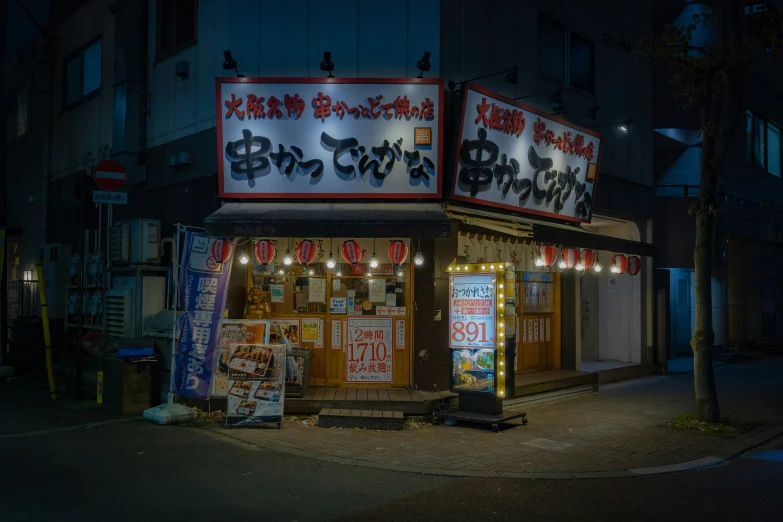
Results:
329 220
555 233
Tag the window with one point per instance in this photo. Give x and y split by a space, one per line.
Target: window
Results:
565 57
176 26
16 118
82 74
763 143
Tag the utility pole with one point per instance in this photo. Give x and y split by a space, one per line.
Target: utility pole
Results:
3 193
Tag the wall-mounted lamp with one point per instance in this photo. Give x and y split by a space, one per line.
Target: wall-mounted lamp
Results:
230 64
327 65
182 70
623 126
27 275
424 64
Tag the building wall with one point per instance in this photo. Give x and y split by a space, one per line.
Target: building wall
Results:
272 38
475 42
85 127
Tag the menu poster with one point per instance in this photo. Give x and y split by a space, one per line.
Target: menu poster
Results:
535 331
546 294
524 331
312 331
399 334
235 331
284 331
530 330
472 303
277 293
369 349
316 290
256 385
377 288
547 330
337 338
542 328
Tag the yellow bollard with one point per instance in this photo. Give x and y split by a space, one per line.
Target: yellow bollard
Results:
47 334
99 391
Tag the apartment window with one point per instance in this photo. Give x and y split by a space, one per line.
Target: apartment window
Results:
83 73
16 117
176 26
565 57
763 143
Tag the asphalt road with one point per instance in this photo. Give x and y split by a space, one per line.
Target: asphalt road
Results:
136 471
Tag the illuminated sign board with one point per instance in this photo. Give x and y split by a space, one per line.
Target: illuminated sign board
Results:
329 138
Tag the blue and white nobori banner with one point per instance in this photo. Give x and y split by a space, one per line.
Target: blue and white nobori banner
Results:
206 268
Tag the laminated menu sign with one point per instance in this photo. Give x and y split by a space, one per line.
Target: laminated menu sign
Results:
256 385
472 302
235 331
337 340
312 330
547 329
369 349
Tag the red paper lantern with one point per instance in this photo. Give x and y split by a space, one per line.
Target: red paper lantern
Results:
588 259
634 265
351 251
619 264
398 252
571 257
305 251
221 250
548 254
265 251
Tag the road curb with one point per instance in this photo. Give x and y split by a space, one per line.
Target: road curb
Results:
67 428
751 442
691 465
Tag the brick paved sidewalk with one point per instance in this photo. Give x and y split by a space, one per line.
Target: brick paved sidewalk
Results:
614 430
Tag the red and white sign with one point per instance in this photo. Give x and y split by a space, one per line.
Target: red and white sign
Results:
369 349
329 137
390 310
472 311
542 164
110 175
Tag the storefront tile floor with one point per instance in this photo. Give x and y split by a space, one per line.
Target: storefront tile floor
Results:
608 431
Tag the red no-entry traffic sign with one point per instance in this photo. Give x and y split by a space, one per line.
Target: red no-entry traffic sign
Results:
110 175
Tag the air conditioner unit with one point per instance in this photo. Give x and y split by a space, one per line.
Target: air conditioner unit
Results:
54 258
118 313
135 242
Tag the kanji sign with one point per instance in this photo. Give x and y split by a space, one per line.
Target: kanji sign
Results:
112 198
110 175
329 138
369 349
390 310
472 302
515 157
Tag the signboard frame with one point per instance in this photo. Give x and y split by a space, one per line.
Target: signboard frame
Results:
529 111
437 123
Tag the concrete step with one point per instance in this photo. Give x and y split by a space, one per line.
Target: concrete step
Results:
370 419
565 393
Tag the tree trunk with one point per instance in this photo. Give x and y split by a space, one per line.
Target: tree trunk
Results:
707 408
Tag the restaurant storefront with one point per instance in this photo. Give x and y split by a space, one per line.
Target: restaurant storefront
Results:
333 199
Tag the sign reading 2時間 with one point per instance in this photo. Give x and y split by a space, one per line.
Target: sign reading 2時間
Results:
472 311
329 138
514 157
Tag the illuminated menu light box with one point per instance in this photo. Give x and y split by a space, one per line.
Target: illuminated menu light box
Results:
477 327
329 137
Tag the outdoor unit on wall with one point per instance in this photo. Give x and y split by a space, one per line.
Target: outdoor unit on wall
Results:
135 242
54 258
118 313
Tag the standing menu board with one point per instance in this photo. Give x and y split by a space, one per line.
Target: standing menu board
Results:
472 331
256 385
236 331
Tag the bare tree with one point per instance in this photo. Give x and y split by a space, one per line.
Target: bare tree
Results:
711 79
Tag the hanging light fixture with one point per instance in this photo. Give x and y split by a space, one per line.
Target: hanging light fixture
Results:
619 264
548 255
351 252
539 258
418 259
374 258
330 262
401 271
597 266
305 251
265 252
571 258
243 257
287 260
634 265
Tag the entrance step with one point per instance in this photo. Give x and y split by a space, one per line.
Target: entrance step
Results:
370 419
566 393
